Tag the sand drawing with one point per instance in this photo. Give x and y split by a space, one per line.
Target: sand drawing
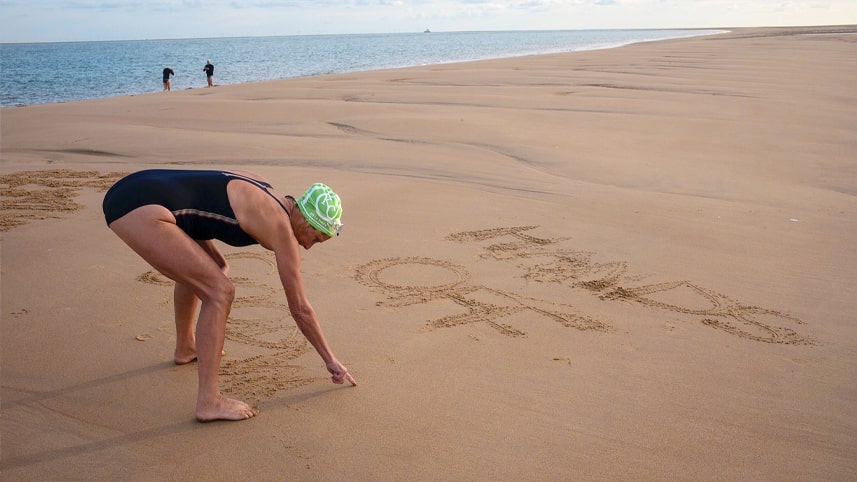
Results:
268 342
542 260
154 278
721 312
34 195
481 304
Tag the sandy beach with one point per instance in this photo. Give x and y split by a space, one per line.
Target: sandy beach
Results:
626 264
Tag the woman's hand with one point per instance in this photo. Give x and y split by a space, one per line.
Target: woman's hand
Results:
339 373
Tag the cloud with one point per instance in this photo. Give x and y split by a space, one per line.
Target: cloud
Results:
62 20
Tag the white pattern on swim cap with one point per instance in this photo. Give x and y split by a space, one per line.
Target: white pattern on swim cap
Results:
322 208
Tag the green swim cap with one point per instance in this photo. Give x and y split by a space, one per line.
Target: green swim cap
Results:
322 208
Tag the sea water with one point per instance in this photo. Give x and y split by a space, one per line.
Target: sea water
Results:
41 73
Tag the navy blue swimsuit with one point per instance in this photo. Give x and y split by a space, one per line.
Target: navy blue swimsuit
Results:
197 199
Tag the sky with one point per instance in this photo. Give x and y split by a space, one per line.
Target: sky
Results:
86 20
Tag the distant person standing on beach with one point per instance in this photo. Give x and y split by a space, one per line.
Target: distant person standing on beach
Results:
209 72
167 83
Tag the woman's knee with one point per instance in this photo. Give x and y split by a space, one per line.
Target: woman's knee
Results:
221 292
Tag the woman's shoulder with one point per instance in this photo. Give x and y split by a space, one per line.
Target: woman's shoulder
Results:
251 175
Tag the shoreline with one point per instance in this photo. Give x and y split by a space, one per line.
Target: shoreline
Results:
623 264
484 56
723 31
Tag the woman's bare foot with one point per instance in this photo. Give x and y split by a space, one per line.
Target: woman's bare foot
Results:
223 408
185 356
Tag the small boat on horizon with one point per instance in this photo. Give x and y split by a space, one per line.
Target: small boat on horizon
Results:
426 31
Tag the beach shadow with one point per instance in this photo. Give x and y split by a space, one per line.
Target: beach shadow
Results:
76 450
114 442
273 406
40 396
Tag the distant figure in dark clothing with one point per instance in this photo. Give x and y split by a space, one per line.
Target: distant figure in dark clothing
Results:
167 73
209 73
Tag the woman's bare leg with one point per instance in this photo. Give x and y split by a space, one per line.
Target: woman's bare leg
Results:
152 233
185 303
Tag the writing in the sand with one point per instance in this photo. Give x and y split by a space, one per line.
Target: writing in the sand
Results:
544 260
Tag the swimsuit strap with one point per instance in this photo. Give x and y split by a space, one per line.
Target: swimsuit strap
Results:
264 186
